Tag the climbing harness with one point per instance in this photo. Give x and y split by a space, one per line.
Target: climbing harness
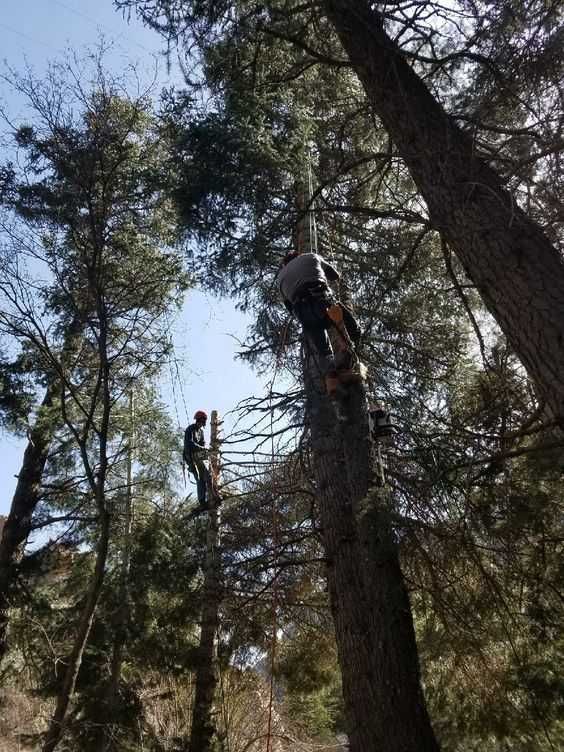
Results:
320 309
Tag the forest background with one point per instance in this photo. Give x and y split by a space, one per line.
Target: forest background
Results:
327 608
37 32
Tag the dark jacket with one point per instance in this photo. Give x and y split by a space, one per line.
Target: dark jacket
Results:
305 269
194 442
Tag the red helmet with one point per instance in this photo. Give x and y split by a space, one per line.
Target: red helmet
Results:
200 415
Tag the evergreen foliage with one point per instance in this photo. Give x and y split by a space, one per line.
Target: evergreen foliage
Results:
471 426
476 470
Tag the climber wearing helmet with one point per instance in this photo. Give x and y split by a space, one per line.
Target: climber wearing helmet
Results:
303 280
195 454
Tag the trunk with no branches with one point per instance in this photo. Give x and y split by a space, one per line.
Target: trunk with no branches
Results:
518 273
371 610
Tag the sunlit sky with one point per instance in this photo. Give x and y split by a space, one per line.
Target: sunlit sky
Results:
208 377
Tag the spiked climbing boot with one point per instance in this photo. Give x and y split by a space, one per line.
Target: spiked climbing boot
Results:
345 355
335 313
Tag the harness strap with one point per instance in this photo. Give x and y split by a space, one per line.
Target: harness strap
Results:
311 290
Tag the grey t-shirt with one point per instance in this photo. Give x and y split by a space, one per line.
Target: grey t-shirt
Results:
307 267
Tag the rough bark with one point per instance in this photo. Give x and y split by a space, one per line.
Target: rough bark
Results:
57 724
203 728
97 478
369 601
518 273
26 496
123 610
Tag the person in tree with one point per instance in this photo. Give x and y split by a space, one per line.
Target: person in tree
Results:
195 454
304 284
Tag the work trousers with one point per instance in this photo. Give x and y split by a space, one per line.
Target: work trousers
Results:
311 311
310 308
199 470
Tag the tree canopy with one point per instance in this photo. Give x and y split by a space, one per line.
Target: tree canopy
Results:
422 143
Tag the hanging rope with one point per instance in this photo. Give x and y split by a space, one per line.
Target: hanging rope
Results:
312 235
174 378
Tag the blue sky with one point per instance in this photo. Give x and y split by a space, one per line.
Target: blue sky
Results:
36 31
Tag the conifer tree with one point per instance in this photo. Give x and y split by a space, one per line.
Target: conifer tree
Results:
99 226
467 201
276 46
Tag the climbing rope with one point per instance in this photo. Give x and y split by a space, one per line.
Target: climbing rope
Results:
174 378
311 208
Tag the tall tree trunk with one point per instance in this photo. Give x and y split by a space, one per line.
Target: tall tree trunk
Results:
26 496
203 728
384 702
369 601
518 273
57 725
28 488
97 481
123 608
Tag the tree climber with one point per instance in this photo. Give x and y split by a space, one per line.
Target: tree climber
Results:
304 284
195 454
